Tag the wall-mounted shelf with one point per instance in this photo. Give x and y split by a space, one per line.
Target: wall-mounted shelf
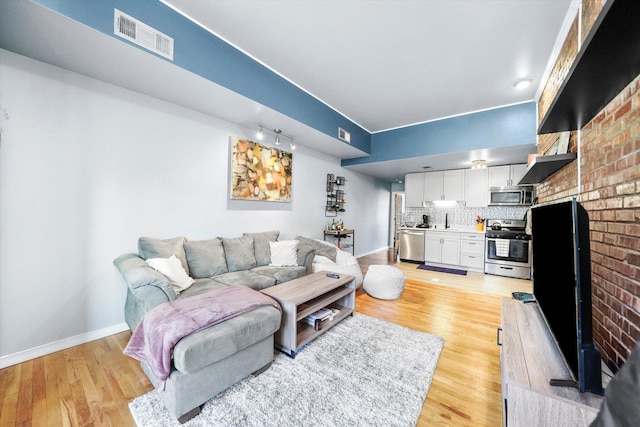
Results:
544 166
607 62
335 196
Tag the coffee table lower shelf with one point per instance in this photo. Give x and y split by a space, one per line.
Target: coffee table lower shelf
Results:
301 297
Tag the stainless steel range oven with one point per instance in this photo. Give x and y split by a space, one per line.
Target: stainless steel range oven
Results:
508 249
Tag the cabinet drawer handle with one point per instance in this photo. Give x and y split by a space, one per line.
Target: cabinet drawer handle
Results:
499 336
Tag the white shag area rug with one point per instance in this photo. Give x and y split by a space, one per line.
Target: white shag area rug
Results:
362 372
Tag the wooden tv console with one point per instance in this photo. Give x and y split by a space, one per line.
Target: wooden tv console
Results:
529 358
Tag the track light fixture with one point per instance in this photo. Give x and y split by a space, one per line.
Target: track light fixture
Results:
278 135
479 164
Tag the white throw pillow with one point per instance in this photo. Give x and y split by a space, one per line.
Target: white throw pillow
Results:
173 269
284 253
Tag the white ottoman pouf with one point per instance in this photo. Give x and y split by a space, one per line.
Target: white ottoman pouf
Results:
384 282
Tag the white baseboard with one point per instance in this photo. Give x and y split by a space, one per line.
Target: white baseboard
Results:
42 350
384 248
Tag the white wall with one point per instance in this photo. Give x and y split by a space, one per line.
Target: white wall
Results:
87 167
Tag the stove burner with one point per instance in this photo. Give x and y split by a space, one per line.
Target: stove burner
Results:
506 229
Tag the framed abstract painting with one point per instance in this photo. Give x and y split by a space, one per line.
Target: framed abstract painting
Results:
260 172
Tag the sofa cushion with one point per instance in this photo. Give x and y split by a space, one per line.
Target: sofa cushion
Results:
281 274
220 341
325 249
200 286
247 278
239 253
261 245
148 247
205 258
172 268
284 253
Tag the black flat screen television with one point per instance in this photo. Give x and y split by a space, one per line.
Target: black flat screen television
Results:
562 288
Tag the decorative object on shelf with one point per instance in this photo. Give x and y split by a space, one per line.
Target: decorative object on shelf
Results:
259 172
335 196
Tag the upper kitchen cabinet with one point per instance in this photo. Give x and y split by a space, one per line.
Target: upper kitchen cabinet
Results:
476 188
505 176
444 185
413 190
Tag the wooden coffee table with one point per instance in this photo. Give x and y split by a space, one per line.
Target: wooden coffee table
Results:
305 295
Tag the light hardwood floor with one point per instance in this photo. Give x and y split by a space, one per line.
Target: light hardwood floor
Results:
91 384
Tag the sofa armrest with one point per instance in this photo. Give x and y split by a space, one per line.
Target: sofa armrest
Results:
306 260
137 273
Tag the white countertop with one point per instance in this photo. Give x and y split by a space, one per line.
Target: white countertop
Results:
453 229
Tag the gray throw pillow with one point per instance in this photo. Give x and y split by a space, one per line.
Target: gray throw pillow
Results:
239 253
261 245
148 247
305 245
621 407
205 258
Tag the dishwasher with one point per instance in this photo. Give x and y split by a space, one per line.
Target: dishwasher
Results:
411 245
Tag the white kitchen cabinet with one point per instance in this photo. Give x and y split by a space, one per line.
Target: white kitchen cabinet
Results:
433 186
472 251
505 176
413 189
442 247
476 188
453 185
444 185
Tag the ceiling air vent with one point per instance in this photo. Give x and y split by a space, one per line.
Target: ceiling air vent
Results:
344 135
141 34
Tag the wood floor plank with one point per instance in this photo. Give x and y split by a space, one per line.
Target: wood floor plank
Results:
25 393
92 384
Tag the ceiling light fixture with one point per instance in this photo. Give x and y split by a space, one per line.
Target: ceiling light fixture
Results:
523 83
478 164
277 134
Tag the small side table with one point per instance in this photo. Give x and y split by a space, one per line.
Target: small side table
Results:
341 235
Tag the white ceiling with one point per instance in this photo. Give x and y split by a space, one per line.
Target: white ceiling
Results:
392 63
382 63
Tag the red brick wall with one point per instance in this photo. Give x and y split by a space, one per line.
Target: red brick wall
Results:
610 168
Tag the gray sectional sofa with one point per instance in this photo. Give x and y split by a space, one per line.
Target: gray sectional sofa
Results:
210 360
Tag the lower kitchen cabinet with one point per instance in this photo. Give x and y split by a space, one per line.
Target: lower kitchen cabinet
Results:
442 247
472 251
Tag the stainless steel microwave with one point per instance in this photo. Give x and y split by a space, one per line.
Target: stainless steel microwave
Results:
511 196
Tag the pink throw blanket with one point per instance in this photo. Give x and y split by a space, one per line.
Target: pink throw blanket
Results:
163 326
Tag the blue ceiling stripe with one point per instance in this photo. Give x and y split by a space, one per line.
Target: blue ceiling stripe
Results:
206 55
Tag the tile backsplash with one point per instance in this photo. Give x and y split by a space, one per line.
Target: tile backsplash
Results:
460 215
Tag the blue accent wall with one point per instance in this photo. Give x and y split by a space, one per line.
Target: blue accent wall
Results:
500 127
206 55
